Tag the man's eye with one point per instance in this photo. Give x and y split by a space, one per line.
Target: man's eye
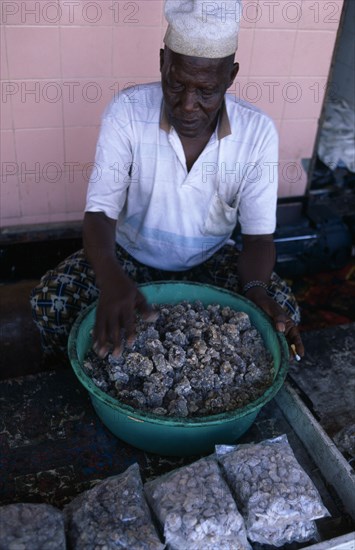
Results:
207 93
176 87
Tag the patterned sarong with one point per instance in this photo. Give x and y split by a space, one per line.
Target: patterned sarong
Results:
63 292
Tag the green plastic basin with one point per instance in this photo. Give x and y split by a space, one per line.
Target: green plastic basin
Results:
179 436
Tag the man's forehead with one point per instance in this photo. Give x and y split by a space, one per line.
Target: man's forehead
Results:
196 80
204 69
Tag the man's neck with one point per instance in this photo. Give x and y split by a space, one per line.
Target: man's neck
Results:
193 148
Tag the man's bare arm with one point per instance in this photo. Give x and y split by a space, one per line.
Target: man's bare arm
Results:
99 243
257 259
255 263
119 297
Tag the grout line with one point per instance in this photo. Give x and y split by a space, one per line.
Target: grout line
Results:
62 109
13 129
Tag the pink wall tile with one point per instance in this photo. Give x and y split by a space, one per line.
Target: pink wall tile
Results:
297 138
86 100
280 56
272 53
145 13
33 52
28 220
266 93
44 197
34 198
321 15
52 201
86 52
279 15
313 53
80 109
9 200
5 105
80 145
250 14
292 178
145 39
9 170
122 84
3 56
7 146
56 195
304 97
42 146
38 104
87 13
76 193
31 12
245 50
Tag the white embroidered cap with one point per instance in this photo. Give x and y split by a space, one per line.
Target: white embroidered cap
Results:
203 29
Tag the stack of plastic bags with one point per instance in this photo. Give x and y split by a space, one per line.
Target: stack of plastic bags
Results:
243 494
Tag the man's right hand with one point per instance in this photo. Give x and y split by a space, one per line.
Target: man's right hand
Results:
119 302
120 298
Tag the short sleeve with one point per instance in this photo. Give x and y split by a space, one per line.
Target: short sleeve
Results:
257 207
110 177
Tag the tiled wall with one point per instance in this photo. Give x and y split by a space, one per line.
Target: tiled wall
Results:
62 60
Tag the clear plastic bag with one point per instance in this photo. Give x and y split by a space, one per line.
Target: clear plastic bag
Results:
196 509
114 514
39 526
286 534
276 497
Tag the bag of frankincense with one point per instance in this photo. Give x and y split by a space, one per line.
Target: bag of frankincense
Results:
29 525
113 514
196 509
277 499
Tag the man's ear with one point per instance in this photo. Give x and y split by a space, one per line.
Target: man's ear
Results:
161 55
234 73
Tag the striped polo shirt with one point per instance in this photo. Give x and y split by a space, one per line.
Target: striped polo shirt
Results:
168 217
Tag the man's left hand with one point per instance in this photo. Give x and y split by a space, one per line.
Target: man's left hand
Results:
283 323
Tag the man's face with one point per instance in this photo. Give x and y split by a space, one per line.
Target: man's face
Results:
193 90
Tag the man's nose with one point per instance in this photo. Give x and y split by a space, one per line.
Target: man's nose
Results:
188 101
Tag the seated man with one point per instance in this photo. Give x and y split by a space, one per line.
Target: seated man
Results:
178 163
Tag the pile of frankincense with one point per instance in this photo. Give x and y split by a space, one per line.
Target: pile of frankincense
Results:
192 361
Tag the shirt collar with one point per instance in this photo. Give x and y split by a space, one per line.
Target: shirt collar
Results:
223 129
